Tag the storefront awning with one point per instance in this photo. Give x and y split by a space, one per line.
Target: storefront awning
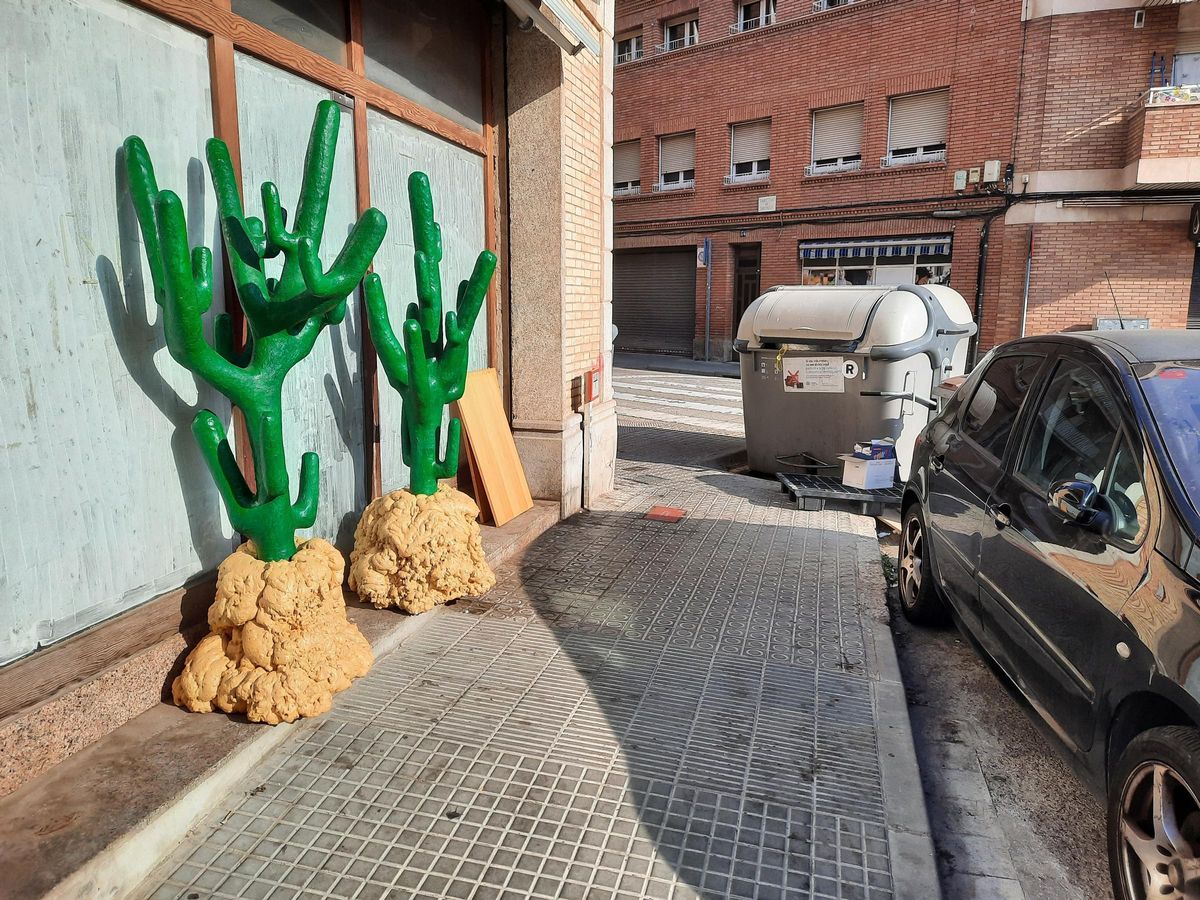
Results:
868 248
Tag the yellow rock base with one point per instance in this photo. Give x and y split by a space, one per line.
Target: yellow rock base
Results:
281 645
415 552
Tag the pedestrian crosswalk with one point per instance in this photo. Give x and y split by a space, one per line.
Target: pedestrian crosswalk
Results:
703 402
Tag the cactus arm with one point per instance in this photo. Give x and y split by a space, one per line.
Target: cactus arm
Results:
471 294
275 221
223 342
244 240
418 364
143 190
448 466
304 510
184 302
214 447
427 241
349 267
387 347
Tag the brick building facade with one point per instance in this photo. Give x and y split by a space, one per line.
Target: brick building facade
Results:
966 143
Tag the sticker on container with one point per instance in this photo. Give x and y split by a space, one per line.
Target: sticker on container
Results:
816 374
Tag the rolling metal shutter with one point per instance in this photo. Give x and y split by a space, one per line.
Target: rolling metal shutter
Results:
677 152
918 120
837 131
751 141
654 300
627 162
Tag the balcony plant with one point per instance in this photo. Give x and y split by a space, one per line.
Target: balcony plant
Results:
280 644
419 547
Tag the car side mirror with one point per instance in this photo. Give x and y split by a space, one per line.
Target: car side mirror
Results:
1079 502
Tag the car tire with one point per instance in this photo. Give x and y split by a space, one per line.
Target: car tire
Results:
1153 832
919 598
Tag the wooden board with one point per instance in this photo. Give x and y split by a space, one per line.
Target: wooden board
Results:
501 479
477 491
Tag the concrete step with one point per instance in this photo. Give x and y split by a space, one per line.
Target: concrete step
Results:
95 825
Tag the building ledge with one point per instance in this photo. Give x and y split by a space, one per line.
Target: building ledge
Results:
749 185
99 822
658 195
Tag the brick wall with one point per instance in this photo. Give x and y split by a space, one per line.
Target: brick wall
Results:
786 71
583 223
1150 264
1171 131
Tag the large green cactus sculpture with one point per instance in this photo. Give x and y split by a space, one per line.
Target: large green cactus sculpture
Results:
285 315
430 370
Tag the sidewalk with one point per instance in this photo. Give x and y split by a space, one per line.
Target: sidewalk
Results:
638 709
682 365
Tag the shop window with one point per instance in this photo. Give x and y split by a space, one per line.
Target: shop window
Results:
318 25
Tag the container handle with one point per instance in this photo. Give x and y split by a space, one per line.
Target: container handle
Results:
938 341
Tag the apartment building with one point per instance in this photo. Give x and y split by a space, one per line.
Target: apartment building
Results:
1039 156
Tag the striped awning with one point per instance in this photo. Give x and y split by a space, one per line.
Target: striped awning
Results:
922 245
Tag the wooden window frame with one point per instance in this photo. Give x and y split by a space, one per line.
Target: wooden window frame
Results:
227 32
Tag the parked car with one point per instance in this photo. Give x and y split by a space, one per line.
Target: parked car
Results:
1053 511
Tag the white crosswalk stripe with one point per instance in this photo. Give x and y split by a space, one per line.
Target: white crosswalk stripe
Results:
705 404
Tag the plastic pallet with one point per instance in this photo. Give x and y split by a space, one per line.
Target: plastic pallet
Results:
812 491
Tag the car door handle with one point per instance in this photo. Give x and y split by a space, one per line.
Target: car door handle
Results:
1001 515
937 463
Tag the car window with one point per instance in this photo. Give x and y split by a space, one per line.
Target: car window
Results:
1072 437
1126 493
993 409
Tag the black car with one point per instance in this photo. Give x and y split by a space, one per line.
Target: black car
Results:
1054 512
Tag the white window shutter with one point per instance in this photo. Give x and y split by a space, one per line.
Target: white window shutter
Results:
677 152
837 131
627 162
751 141
919 120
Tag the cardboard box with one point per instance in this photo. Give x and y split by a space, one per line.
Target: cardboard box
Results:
884 448
867 473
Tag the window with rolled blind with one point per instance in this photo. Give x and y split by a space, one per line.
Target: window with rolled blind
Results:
917 127
750 150
677 160
837 138
627 167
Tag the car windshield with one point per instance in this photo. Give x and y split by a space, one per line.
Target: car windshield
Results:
1173 391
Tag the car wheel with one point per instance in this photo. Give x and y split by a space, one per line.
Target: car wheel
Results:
919 598
1154 817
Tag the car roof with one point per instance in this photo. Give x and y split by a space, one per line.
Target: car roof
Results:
1136 345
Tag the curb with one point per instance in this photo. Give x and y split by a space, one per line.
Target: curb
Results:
650 363
910 838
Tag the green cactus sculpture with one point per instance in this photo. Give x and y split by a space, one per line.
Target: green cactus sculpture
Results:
430 370
285 315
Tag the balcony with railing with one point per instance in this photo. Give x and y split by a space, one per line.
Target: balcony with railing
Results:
823 5
751 24
747 177
912 158
832 168
628 56
665 186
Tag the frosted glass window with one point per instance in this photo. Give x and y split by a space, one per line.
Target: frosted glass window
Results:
319 25
431 53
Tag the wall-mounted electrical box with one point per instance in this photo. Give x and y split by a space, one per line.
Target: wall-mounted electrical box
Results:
960 180
991 171
973 175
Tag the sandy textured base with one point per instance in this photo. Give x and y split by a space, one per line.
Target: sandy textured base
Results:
281 645
414 552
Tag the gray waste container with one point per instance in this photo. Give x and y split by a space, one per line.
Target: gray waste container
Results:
823 367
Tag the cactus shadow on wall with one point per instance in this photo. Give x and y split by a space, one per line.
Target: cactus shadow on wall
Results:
139 339
344 388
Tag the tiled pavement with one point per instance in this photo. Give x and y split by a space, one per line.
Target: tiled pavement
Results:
638 709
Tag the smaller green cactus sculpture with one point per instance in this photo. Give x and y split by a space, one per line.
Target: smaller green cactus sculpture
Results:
430 370
285 315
